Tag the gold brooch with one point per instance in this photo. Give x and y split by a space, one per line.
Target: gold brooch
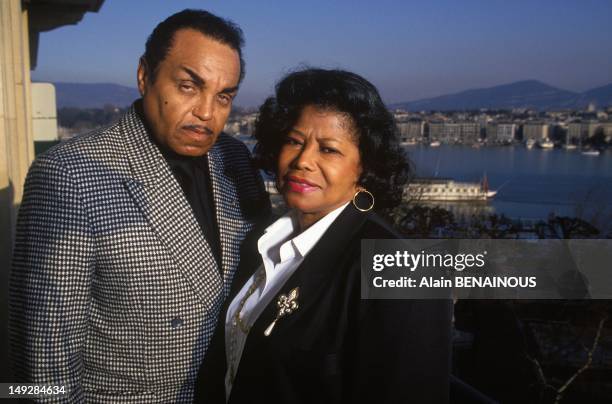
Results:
286 304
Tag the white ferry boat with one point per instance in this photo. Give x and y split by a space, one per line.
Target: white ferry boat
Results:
446 189
546 144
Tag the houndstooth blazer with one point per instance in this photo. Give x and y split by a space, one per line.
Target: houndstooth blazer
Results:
114 290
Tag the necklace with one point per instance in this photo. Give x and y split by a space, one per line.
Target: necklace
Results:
238 322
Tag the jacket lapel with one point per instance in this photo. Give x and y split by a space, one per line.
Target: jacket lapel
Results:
318 267
230 221
250 259
162 202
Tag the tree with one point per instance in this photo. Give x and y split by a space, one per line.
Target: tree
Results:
494 226
563 227
423 221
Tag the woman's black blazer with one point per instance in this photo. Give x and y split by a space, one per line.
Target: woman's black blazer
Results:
336 348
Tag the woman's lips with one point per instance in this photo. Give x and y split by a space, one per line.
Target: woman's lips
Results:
300 185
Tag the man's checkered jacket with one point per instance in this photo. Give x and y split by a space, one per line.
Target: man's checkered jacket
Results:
114 290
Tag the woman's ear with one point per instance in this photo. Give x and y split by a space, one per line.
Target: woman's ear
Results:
360 178
359 182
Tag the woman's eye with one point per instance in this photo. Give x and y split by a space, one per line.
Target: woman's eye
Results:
292 141
328 150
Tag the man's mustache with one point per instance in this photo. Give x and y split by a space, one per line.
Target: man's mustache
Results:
199 128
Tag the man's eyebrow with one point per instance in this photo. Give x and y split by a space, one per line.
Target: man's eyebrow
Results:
201 82
194 76
230 90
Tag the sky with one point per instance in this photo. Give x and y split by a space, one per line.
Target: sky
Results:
409 49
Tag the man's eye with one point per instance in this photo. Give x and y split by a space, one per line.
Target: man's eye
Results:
224 99
187 88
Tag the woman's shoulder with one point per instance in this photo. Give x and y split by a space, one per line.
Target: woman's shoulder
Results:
375 227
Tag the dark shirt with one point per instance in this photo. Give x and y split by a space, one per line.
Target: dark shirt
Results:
193 176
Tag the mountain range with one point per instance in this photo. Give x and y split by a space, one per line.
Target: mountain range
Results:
520 94
94 95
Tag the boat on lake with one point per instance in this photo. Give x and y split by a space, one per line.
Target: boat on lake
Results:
447 189
590 152
409 142
546 144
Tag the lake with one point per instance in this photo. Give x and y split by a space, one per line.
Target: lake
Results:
531 183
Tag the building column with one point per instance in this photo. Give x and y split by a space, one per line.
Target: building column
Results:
16 140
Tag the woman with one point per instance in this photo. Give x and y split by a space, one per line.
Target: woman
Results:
295 329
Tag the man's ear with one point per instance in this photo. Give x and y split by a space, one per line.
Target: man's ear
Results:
142 76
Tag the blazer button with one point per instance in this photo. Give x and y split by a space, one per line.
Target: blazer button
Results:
176 322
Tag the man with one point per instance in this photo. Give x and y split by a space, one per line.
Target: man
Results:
128 238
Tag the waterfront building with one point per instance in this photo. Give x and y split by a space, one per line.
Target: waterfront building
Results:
576 132
451 133
536 131
411 130
501 132
454 132
470 132
436 131
581 130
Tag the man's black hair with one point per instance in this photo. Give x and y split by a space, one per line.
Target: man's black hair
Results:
161 39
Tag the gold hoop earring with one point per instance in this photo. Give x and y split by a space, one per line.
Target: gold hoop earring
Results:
365 191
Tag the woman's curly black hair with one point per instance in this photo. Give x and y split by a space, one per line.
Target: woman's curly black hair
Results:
385 168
